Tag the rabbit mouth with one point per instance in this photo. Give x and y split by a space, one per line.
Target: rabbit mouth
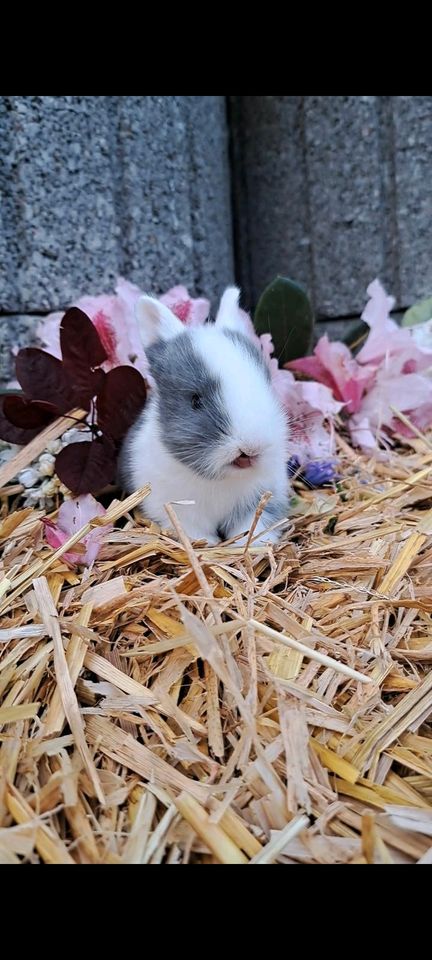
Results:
243 461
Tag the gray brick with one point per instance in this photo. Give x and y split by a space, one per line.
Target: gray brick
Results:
93 187
271 208
347 206
413 174
316 196
15 331
58 227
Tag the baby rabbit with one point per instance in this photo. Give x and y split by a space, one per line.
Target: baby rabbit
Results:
213 430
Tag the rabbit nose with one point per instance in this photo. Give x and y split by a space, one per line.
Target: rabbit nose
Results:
246 458
250 451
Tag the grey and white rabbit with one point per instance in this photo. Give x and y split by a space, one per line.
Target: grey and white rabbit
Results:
213 430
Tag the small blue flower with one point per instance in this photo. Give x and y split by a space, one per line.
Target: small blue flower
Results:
293 466
320 473
316 473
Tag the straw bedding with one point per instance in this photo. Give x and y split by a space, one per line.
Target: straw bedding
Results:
179 704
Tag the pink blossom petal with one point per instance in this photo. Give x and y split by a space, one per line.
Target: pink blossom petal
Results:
405 392
130 347
73 515
334 366
106 333
309 408
318 396
55 537
386 338
421 417
191 311
128 293
312 367
379 306
114 318
361 434
351 379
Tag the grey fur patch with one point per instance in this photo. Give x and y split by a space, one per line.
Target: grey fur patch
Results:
275 510
241 340
180 373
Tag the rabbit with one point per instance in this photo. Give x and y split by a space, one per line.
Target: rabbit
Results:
213 430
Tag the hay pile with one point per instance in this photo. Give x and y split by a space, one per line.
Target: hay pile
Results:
179 704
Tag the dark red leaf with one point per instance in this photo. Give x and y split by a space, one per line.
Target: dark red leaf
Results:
43 377
80 340
120 401
28 414
87 467
85 384
82 354
13 434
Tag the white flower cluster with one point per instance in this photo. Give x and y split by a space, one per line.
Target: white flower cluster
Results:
41 484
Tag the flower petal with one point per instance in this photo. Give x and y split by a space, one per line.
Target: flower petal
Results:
191 311
73 515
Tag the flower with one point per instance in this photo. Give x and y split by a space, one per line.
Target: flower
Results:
387 340
409 393
73 515
391 371
309 406
334 366
402 358
192 312
320 473
310 409
317 473
113 315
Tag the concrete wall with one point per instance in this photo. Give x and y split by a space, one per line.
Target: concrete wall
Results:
96 187
331 191
334 191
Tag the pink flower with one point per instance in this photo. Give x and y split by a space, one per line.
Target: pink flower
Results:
192 312
410 393
364 437
421 418
388 372
310 409
114 318
334 366
386 338
402 362
73 515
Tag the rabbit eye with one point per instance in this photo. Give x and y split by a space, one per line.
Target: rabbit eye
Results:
196 401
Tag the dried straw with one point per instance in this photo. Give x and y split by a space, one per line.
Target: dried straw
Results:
178 703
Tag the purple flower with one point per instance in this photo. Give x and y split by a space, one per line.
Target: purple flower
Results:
316 473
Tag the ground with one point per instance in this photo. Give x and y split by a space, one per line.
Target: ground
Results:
172 704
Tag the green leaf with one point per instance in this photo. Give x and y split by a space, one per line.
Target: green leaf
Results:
284 311
419 313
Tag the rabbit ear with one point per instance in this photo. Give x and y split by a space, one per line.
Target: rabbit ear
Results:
229 314
155 321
